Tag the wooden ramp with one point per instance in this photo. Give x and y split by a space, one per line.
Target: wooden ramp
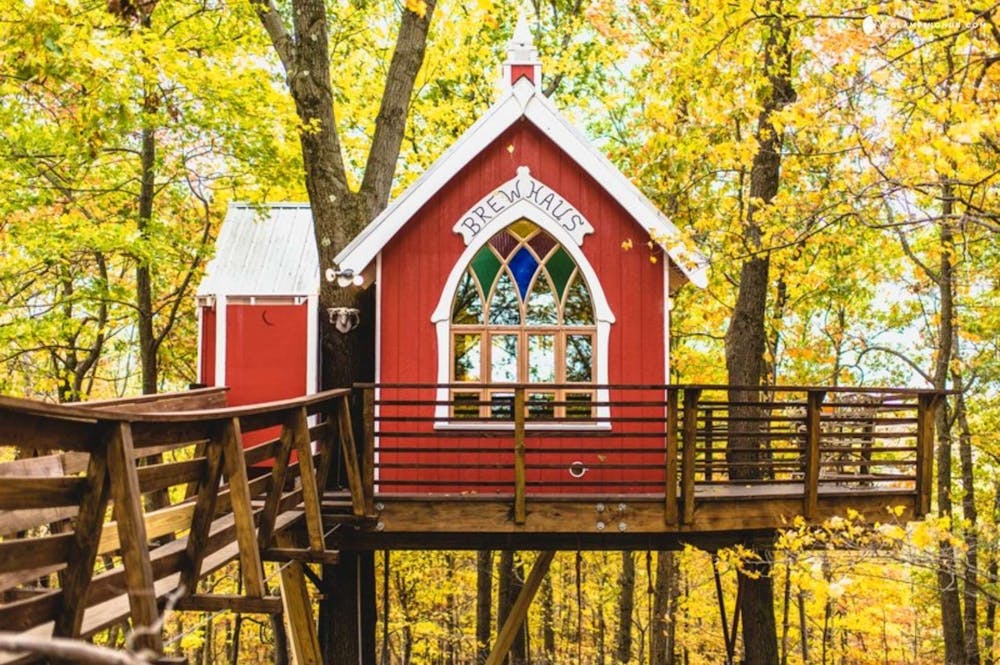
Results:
114 508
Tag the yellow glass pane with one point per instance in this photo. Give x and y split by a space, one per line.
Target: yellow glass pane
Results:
523 228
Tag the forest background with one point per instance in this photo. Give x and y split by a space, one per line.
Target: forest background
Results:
129 127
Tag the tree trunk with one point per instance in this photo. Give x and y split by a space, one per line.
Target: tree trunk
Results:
143 278
947 578
484 594
746 337
548 623
991 579
970 526
626 603
662 629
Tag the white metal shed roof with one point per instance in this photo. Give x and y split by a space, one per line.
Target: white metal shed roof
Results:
266 250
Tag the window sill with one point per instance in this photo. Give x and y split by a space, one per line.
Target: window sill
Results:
479 426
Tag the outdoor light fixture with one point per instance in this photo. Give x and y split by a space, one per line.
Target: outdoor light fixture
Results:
345 277
344 319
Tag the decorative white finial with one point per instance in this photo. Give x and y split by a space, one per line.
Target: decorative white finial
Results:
522 56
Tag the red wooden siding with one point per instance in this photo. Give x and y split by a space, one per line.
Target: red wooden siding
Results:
416 263
206 370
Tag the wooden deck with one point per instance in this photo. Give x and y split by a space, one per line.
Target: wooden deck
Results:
639 467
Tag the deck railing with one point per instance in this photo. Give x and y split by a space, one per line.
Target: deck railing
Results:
681 442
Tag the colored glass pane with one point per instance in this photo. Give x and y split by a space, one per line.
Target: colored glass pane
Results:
468 307
468 357
542 243
504 243
486 265
503 358
579 357
523 265
578 310
505 308
560 267
542 309
522 229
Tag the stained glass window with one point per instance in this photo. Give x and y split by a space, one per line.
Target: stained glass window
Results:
523 313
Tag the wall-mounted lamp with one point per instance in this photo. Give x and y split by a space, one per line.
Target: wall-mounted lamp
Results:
345 277
344 319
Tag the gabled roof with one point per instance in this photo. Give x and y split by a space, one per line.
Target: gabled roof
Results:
523 100
265 250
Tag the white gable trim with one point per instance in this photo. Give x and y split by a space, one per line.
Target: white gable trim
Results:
523 100
484 216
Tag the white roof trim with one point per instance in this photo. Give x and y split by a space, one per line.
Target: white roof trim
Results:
523 100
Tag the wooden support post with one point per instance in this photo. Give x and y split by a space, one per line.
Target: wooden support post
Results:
301 624
368 455
690 440
670 487
814 410
520 609
239 494
203 514
139 578
520 471
349 452
927 406
83 550
307 474
282 456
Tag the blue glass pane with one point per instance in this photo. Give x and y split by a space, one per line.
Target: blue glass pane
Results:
523 265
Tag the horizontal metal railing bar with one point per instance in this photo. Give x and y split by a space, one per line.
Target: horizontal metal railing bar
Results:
704 387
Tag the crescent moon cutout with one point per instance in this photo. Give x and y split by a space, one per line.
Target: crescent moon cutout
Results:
263 317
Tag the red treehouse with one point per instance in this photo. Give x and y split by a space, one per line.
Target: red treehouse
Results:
522 357
502 275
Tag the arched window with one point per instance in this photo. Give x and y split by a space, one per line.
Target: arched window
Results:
523 313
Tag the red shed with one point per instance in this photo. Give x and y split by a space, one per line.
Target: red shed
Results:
506 267
258 305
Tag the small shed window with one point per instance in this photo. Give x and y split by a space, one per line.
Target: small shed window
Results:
523 314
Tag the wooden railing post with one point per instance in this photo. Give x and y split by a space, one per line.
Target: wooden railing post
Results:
709 444
814 410
368 456
311 492
239 495
139 578
520 472
670 487
690 439
927 405
349 453
84 547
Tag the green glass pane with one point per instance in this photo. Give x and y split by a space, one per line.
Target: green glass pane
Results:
541 358
560 266
468 358
468 307
486 264
542 307
579 358
503 358
540 405
579 310
578 405
505 306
